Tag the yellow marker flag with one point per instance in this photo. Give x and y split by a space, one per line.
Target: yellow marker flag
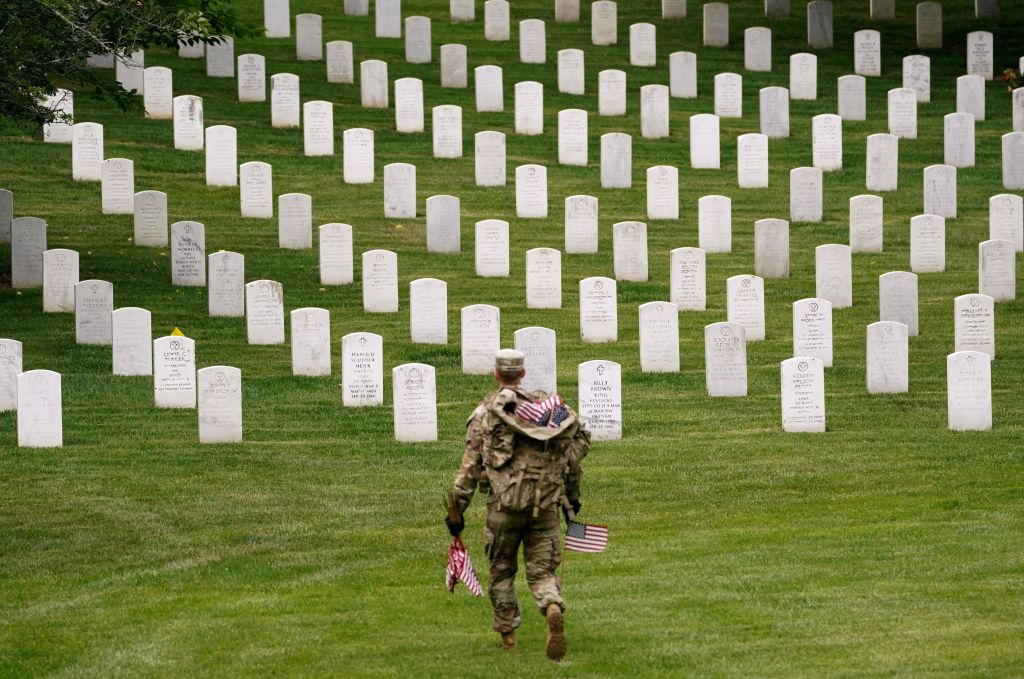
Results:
177 332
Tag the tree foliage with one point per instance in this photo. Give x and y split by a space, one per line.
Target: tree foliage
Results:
44 45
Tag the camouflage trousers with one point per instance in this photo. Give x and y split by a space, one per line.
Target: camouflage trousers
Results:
542 552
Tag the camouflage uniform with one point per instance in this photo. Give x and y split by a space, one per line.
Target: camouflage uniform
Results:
527 481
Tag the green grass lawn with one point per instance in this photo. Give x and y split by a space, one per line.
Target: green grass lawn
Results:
887 546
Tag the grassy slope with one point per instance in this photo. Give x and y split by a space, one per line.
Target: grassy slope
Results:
887 546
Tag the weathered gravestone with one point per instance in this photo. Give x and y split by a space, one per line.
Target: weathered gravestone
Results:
158 100
220 404
454 71
654 112
40 415
174 372
852 97
362 370
373 83
969 391
311 341
642 45
929 25
264 312
600 399
1013 161
295 221
414 402
757 49
745 304
418 49
400 190
188 123
28 242
866 223
462 10
117 186
958 139
819 24
226 289
60 274
380 281
132 340
428 311
803 394
150 225
629 250
541 364
970 96
567 11
771 248
284 100
940 190
256 189
94 302
902 106
188 254
833 274
867 52
616 160
774 113
581 224
725 359
335 240
974 323
491 244
897 299
882 167
883 9
812 329
805 194
6 215
480 338
659 337
497 20
887 358
599 318
716 24
359 8
340 63
11 360
979 54
917 76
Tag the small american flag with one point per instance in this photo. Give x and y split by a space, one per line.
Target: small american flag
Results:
582 537
461 568
551 411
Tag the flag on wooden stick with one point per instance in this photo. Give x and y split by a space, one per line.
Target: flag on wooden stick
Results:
461 568
582 537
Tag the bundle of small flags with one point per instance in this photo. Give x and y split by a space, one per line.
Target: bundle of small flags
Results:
550 412
461 568
582 537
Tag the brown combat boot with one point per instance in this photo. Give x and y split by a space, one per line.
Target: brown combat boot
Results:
555 646
508 641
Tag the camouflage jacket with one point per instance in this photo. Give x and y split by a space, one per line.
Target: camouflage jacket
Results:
520 465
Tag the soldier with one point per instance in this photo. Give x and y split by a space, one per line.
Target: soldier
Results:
530 469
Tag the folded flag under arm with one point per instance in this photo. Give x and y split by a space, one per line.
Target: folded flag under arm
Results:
583 537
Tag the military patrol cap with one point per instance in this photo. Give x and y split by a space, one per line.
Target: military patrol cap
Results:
509 361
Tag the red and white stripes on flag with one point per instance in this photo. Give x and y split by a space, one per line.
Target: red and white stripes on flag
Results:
582 537
461 568
540 413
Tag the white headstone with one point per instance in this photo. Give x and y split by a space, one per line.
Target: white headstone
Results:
752 161
572 137
188 123
40 416
94 303
446 128
729 95
887 358
388 18
882 162
571 69
803 394
531 191
716 24
897 299
599 317
150 218
705 148
220 404
529 108
1018 109
220 58
917 76
489 158
940 190
1006 219
491 244
543 278
970 96
997 270
771 248
62 104
1013 161
654 111
311 341
132 339
252 78
158 100
357 149
958 139
129 71
929 25
462 10
541 364
277 18
454 71
979 54
195 50
581 224
400 190
256 189
805 194
340 63
673 9
903 113
774 114
611 93
284 100
10 367
104 60
725 359
443 224
226 288
682 68
867 52
188 254
852 97
629 250
883 9
819 24
866 223
480 338
6 215
833 265
357 7
117 181
927 243
688 278
490 96
60 274
616 161
174 372
827 142
414 403
264 312
335 241
428 311
380 281
497 20
86 151
532 42
714 223
604 23
812 329
318 128
662 192
373 83
221 156
28 242
745 304
295 221
659 337
975 326
362 370
418 47
803 76
642 45
567 11
600 404
757 49
969 390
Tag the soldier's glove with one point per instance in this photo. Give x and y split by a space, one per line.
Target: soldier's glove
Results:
455 528
576 506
